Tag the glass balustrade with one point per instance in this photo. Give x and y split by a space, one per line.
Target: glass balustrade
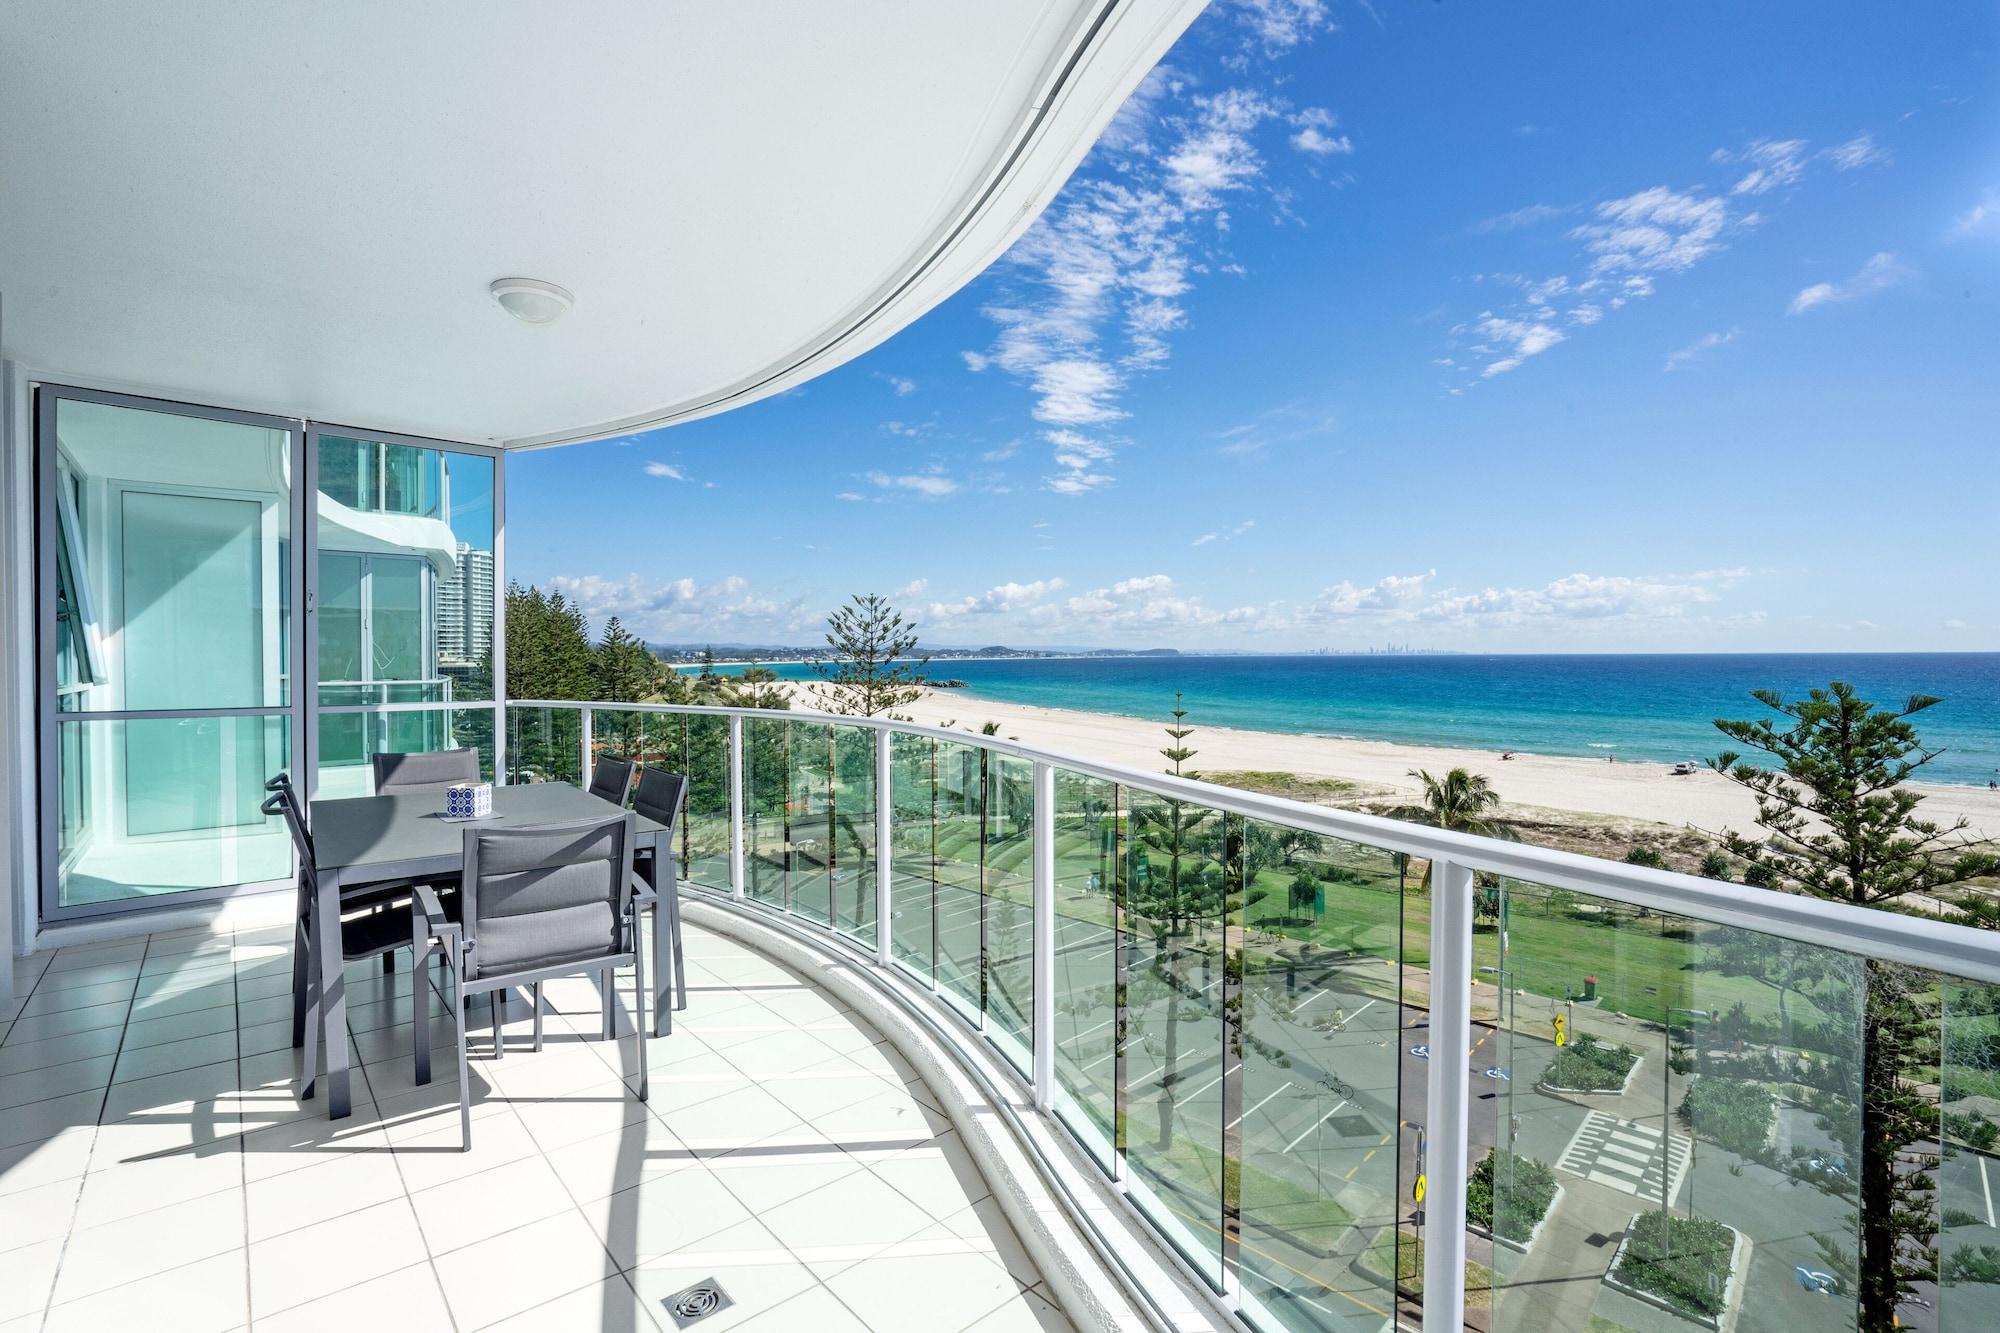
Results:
1667 1115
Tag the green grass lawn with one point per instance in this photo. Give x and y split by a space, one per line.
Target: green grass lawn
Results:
1385 1255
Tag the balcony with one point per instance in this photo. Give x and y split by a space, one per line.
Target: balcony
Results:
981 1036
984 1037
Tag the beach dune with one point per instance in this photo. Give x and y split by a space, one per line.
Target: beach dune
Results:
1642 791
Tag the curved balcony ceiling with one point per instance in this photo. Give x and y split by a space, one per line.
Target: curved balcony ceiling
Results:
299 208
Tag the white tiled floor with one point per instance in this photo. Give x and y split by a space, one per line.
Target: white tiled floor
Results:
156 1172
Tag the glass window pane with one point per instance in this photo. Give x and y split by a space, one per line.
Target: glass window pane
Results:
1692 1089
415 526
339 620
912 889
543 745
350 741
810 808
766 811
1010 907
959 870
1968 1230
1088 861
1316 1115
174 555
160 806
854 832
1173 1022
705 820
396 620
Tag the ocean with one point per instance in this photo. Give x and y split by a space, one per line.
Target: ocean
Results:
1632 707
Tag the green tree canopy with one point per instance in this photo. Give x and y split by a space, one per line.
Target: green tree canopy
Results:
872 669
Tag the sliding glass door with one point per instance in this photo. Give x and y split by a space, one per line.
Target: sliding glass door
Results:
226 596
167 647
406 532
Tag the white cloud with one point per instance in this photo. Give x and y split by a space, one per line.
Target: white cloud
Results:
1656 230
1279 25
667 470
1518 218
851 497
1860 151
1708 342
1222 535
1773 163
914 588
1574 597
1955 624
997 600
901 384
1393 592
931 485
1518 339
1091 296
1982 219
1314 141
684 609
1882 271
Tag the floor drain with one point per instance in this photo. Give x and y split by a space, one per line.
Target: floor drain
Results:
704 1298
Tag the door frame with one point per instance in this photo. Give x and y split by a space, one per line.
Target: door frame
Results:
45 406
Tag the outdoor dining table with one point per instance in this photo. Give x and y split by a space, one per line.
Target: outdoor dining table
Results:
360 842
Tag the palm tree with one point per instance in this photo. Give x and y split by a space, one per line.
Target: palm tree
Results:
1460 801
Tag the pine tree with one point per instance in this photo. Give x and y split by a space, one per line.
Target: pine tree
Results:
756 687
871 672
1839 824
1178 732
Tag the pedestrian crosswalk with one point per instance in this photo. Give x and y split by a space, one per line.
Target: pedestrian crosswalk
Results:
1626 1156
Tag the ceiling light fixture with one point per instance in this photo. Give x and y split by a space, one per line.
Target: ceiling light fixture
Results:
530 300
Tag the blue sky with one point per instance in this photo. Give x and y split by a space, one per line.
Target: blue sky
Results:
1552 328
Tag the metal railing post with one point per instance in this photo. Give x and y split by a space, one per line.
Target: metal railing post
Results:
736 876
885 840
1446 1108
586 738
1043 842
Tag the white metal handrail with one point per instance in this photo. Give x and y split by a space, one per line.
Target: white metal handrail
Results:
1896 937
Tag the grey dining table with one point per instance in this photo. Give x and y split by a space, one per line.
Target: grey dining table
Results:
362 841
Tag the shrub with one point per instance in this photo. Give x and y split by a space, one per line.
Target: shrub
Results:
1645 856
1682 1260
1730 1112
1588 1065
1527 1188
1715 865
1975 1131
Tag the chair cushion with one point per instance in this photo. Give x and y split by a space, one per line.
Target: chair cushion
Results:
546 900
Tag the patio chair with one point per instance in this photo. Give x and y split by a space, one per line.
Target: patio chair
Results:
659 797
371 923
611 779
552 900
431 770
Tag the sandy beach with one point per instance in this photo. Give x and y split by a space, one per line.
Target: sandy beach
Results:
1645 792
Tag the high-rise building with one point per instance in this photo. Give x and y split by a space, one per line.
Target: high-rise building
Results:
465 611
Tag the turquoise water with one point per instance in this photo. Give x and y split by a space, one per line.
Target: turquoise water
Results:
1649 707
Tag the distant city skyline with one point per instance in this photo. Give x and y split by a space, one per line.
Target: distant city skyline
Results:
1567 329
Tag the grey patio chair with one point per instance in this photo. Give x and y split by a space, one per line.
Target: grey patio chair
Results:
611 778
424 771
659 797
371 924
552 900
